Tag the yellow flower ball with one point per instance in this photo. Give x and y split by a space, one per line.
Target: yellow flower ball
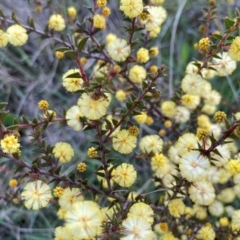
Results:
56 22
17 35
3 39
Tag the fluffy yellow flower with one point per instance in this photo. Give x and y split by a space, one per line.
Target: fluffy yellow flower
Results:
212 98
118 49
190 101
141 210
69 197
72 115
224 222
56 22
236 220
216 208
137 74
169 108
155 32
110 37
176 207
84 220
59 54
9 144
225 65
63 151
141 118
234 50
157 15
131 8
99 21
206 233
194 166
3 39
182 115
121 95
93 109
151 144
36 195
186 143
158 161
125 175
153 69
124 142
192 84
72 84
136 228
154 51
17 35
72 12
142 55
233 166
202 193
62 233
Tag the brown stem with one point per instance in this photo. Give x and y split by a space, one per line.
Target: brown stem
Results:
221 139
148 89
33 125
220 44
31 29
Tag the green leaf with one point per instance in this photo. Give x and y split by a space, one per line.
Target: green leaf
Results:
101 174
24 120
14 18
31 23
129 105
71 54
35 121
82 43
15 121
1 13
228 22
218 36
114 121
230 38
61 49
74 75
58 169
3 115
18 169
3 105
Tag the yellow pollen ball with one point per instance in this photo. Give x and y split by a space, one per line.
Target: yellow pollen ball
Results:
13 183
92 152
204 44
58 191
106 12
101 3
43 104
59 54
99 21
220 117
82 167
